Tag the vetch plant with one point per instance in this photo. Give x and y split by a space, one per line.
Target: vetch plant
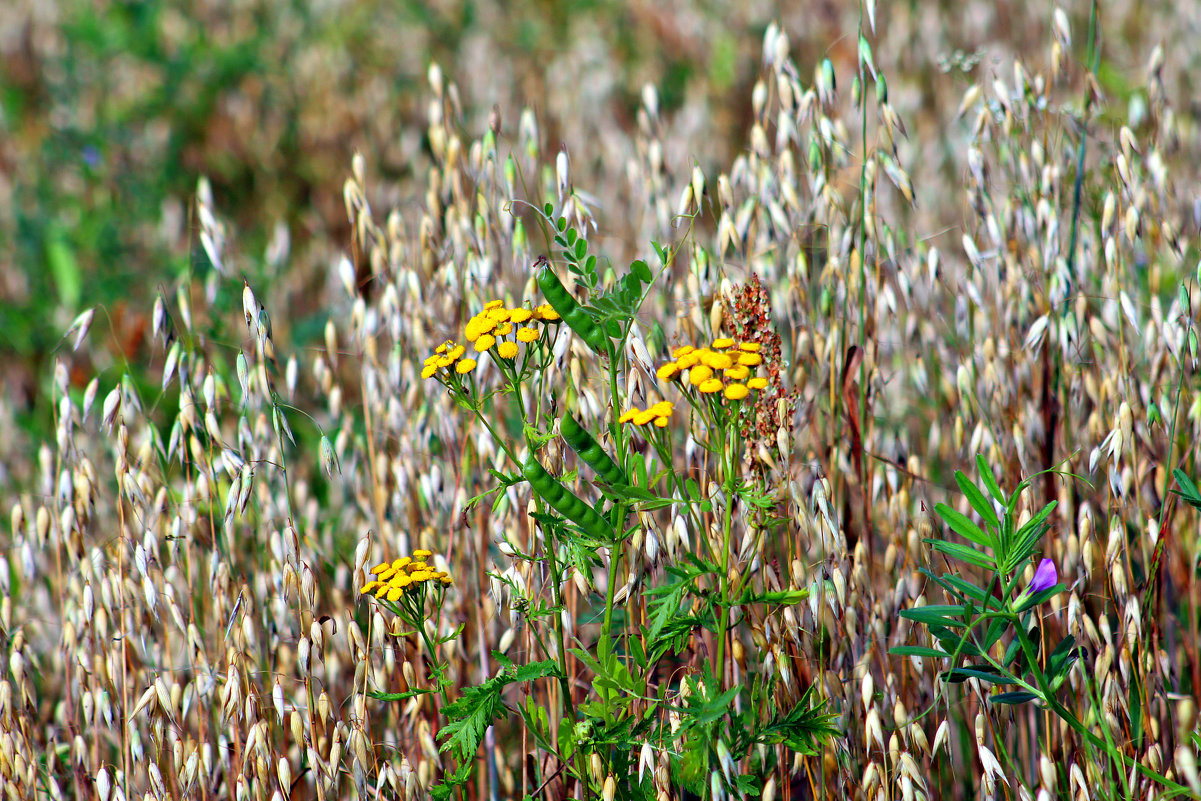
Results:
992 632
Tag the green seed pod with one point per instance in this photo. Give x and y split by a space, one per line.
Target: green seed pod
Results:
584 444
564 501
570 310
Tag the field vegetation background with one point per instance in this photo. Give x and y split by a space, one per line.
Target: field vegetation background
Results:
232 234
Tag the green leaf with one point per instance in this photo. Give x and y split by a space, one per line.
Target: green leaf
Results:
982 672
963 526
478 707
977 500
640 269
989 480
962 553
937 614
1012 698
917 650
1188 489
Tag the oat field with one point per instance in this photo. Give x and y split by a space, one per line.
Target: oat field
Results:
599 400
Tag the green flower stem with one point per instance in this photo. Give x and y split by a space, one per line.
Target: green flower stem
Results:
729 455
1043 691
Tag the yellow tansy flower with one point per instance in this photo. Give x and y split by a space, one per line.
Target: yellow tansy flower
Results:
683 350
699 374
464 367
484 343
749 347
457 352
519 316
710 385
668 370
757 383
738 373
642 418
381 566
717 361
661 422
370 586
507 350
402 581
750 359
504 329
429 370
527 334
688 360
493 304
401 562
629 415
394 593
382 591
724 342
736 391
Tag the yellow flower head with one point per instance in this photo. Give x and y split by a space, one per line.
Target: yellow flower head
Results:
420 576
688 360
504 329
370 586
750 359
499 315
717 361
443 347
663 408
483 343
507 350
667 371
456 352
401 563
699 374
382 591
527 334
519 316
629 415
724 342
478 326
642 418
493 304
446 580
464 367
757 383
394 593
381 566
546 312
710 385
422 554
429 370
683 350
736 391
749 347
401 581
738 372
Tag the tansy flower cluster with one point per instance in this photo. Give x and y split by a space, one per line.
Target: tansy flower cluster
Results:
656 415
496 330
726 366
407 576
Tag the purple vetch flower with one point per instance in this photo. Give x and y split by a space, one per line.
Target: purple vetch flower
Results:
1045 577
